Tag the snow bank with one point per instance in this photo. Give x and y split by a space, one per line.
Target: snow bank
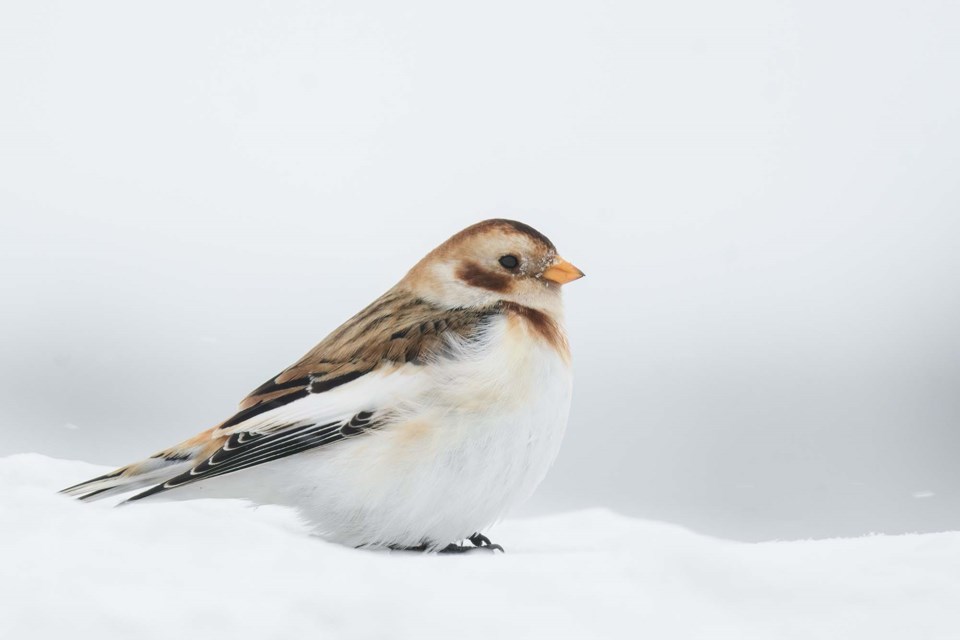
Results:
219 569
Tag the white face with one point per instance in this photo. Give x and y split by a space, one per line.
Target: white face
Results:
489 262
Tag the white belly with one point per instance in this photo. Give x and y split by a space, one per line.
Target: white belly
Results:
472 443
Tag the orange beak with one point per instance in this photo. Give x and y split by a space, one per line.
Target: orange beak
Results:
562 272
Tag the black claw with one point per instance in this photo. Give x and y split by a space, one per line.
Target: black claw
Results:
483 542
479 540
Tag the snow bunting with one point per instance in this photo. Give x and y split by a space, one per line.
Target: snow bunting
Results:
417 423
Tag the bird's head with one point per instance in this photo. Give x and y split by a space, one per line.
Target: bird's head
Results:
491 261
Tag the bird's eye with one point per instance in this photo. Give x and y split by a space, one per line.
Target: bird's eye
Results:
509 262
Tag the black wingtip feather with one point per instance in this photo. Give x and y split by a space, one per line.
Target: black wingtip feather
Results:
80 485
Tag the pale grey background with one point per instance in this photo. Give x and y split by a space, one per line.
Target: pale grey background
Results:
763 195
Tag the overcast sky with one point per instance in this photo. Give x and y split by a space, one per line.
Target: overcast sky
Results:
764 197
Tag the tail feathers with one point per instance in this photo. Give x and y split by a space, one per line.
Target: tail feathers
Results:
156 469
129 478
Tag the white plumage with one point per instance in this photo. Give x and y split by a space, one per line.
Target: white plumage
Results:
468 444
417 423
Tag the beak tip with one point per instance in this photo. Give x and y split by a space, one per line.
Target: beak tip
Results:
562 272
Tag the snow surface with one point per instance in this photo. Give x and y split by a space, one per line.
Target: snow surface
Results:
220 569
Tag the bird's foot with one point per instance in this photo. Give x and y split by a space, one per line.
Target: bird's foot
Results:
459 548
481 541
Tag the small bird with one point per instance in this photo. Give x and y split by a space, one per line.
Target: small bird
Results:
414 425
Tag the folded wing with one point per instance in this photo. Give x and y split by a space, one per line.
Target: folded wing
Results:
344 387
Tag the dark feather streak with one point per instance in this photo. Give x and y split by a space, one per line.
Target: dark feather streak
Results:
319 386
245 414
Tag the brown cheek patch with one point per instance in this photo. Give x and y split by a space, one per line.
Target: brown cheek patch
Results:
475 275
